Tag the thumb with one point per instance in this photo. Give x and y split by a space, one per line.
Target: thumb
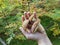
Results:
22 30
25 23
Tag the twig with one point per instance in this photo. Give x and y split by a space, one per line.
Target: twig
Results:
3 43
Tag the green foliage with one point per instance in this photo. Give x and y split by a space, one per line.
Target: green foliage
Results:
11 11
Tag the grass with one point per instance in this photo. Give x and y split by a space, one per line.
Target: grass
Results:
23 42
55 41
45 19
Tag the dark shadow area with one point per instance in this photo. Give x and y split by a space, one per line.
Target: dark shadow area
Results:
46 21
0 43
23 42
58 22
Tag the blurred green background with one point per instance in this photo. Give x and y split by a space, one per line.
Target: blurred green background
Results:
11 11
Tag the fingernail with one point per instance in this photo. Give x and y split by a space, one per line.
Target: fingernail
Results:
25 13
28 14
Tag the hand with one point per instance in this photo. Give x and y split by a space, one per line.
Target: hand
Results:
27 30
25 26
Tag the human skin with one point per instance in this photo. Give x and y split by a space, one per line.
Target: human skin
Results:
41 36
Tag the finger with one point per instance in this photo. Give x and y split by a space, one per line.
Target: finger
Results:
41 29
26 16
23 18
31 17
35 16
25 23
29 14
22 30
28 31
34 26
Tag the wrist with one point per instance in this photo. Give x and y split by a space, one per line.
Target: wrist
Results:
44 40
41 42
